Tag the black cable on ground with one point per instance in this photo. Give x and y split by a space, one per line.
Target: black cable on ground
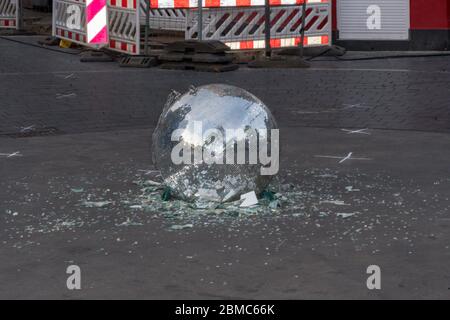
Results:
308 59
37 46
396 57
319 55
428 55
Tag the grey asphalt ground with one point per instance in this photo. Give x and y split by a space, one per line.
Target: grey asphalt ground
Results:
391 210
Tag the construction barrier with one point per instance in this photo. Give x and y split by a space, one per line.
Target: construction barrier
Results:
238 23
164 19
69 20
192 4
69 23
9 14
124 27
244 28
97 22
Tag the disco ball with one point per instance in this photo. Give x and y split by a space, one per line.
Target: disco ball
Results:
204 143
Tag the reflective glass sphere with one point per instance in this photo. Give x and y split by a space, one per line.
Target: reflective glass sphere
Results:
208 143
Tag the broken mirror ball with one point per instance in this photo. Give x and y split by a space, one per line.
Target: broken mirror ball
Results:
215 143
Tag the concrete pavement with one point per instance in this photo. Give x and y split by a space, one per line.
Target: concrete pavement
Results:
90 139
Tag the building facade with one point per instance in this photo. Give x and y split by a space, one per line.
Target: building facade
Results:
392 24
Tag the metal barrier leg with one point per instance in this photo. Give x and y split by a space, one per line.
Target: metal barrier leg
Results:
200 20
19 23
147 27
302 39
268 50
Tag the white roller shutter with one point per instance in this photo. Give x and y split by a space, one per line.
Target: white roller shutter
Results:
373 19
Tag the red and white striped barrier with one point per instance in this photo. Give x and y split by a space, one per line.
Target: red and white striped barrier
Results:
112 23
97 22
125 4
7 23
279 43
124 26
243 28
9 14
117 23
186 4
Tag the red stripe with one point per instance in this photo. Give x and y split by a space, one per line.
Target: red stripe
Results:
246 45
181 3
69 35
212 3
123 46
112 43
113 2
243 3
215 3
77 37
134 48
325 40
297 41
124 3
6 23
275 43
94 8
101 37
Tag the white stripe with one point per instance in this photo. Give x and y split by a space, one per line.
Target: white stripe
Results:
166 4
96 24
288 42
314 40
228 3
286 2
257 2
194 3
233 45
259 44
88 2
